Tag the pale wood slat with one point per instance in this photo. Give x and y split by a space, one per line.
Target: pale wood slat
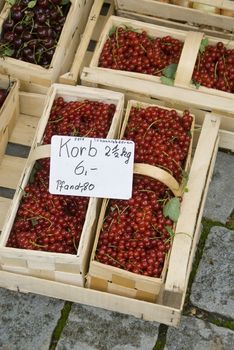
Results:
24 130
182 243
10 171
4 206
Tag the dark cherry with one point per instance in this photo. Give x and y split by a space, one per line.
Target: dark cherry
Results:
56 2
8 24
17 42
26 36
50 53
41 18
42 32
9 37
27 27
19 28
48 42
43 3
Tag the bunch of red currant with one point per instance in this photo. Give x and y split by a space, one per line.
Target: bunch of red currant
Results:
128 50
136 235
52 222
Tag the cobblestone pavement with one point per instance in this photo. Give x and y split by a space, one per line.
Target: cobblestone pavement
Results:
33 322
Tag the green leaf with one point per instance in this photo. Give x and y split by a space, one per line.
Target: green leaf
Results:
167 81
112 30
11 2
64 2
185 174
197 85
203 45
25 194
170 70
170 231
35 169
138 107
130 29
185 179
8 52
34 221
172 209
31 4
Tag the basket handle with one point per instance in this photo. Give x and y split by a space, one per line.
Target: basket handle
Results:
39 152
188 59
160 175
157 173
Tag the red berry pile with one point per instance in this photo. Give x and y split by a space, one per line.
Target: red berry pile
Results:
215 68
162 137
52 222
32 30
135 235
3 95
128 50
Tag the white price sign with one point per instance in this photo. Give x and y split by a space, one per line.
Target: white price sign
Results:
90 167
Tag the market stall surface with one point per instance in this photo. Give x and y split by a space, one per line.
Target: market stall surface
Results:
34 322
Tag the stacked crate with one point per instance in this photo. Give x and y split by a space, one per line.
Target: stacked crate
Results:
77 278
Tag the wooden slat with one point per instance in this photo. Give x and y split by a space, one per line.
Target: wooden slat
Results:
188 59
197 232
226 4
175 24
102 21
4 206
31 103
226 140
141 309
24 130
8 111
72 76
194 98
178 262
177 13
10 171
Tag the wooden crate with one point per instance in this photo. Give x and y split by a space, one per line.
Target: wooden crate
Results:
220 15
192 41
118 281
152 30
30 109
177 97
168 309
35 78
9 110
66 268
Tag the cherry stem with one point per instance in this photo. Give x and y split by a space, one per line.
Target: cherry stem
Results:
40 216
55 120
74 243
116 261
36 244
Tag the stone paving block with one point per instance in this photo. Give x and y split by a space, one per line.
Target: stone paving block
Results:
220 199
213 287
90 328
195 334
27 321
